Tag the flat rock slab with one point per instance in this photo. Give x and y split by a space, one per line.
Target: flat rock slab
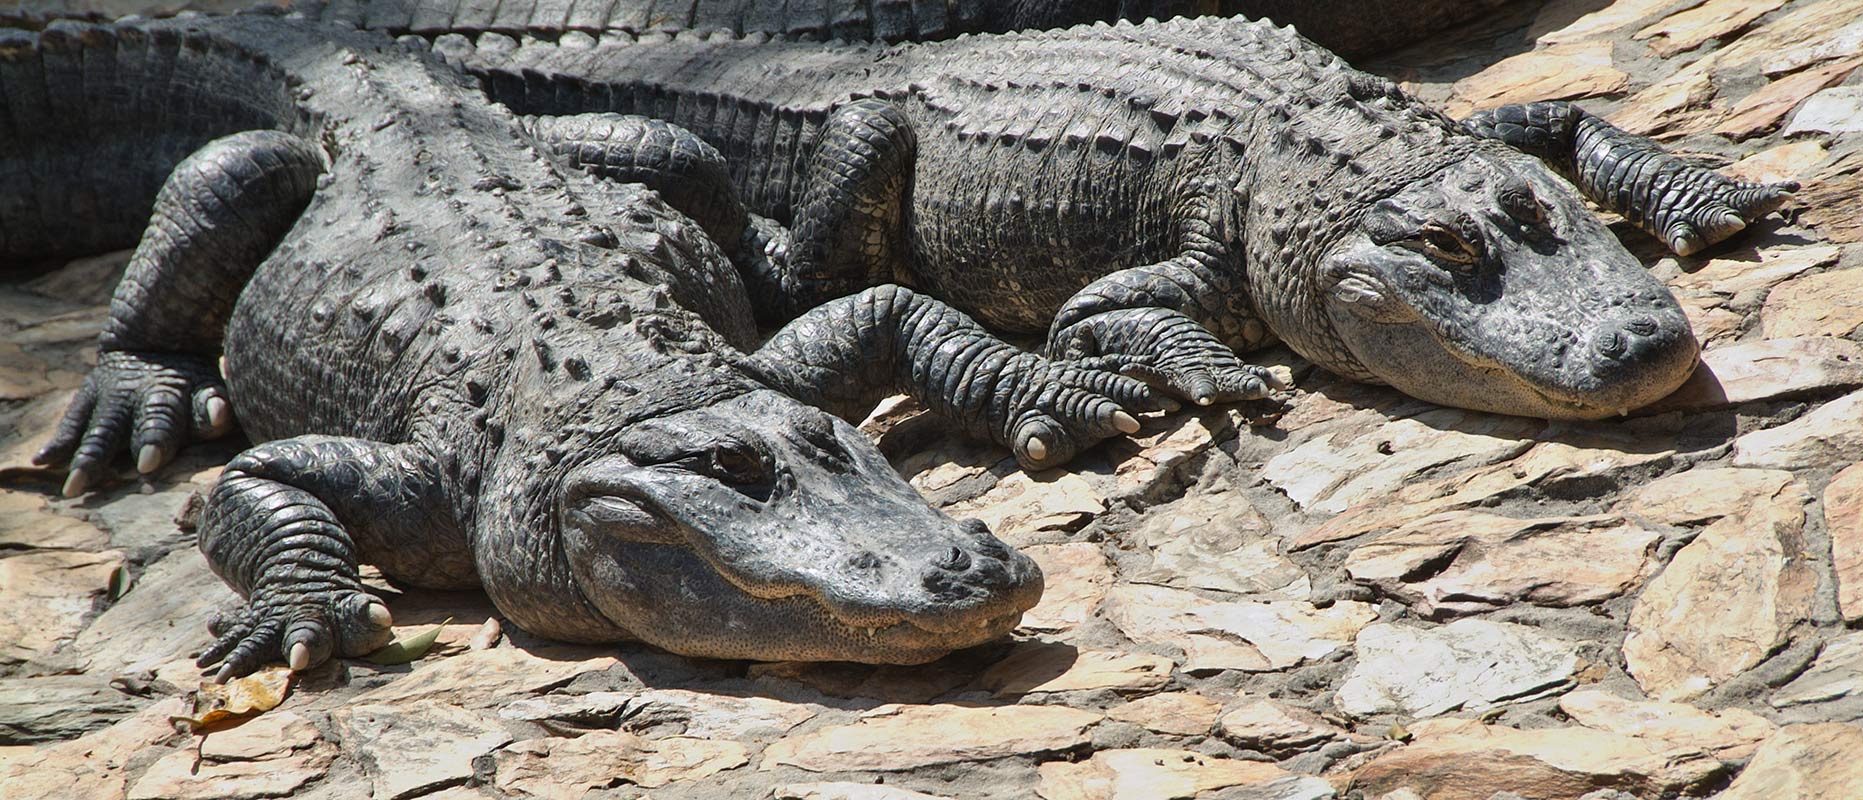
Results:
1833 686
1803 762
1700 496
1843 520
1467 562
272 755
1175 713
1033 667
1838 110
569 768
1729 734
844 790
410 749
1560 72
1074 579
1726 600
1218 540
1253 636
1466 760
1768 369
163 617
1149 774
53 707
1269 726
480 677
1353 464
1471 664
1825 304
1830 434
894 737
662 711
49 594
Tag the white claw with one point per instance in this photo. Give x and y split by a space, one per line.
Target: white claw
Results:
148 459
1125 422
219 413
379 616
76 483
1037 450
300 657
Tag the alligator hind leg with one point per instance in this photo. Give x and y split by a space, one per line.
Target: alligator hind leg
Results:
845 355
1687 206
286 525
156 386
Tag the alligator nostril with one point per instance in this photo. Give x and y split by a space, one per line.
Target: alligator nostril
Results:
955 560
1610 344
864 560
1642 326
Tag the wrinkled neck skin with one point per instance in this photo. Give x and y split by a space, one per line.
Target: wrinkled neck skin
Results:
747 526
1489 285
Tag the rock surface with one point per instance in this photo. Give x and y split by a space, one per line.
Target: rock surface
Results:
1352 595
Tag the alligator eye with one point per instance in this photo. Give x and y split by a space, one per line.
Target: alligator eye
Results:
1443 244
737 464
1520 204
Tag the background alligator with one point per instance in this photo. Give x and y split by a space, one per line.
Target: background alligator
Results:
469 375
1174 190
1347 27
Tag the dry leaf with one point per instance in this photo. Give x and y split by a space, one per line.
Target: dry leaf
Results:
257 693
404 650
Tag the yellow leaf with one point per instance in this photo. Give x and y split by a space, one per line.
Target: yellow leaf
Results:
404 650
257 693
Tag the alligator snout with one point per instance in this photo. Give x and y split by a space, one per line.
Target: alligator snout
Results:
1638 340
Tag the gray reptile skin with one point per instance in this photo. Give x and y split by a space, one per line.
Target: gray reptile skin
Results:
1168 191
463 369
1347 27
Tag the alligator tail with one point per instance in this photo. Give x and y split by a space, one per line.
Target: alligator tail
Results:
93 118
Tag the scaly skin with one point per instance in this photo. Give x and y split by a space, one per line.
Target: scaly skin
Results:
462 370
1112 185
1347 27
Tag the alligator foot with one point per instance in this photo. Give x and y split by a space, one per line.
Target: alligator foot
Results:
847 354
151 402
304 624
1688 206
1171 351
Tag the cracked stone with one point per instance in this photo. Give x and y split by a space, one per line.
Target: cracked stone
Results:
177 776
1730 734
1252 636
1333 471
1218 541
1761 111
1692 27
1754 270
26 523
656 712
48 594
1175 713
566 769
895 737
164 616
1471 664
1803 762
1546 464
1074 579
1467 562
1838 110
1843 520
1273 727
1830 434
1786 162
1149 774
1566 71
409 749
1727 600
1467 760
1020 506
1051 667
1593 23
1837 675
842 790
479 677
1676 104
1825 304
1767 369
1700 496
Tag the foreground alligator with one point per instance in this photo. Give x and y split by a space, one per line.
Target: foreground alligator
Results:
466 373
1347 27
1170 191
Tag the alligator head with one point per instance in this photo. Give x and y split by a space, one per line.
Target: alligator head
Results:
1488 284
758 527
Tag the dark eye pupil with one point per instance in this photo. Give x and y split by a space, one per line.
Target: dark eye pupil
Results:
736 463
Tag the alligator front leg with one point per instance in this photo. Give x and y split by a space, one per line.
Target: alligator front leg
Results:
1687 206
285 526
846 355
1161 318
155 385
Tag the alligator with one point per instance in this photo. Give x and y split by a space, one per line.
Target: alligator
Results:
1351 28
1174 192
472 366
